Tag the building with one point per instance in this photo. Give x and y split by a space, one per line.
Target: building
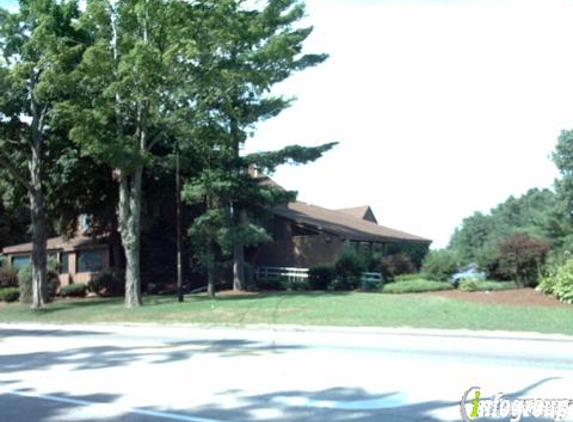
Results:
79 259
306 235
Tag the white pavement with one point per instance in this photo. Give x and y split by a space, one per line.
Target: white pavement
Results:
52 373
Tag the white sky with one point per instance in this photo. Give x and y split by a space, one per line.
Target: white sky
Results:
442 108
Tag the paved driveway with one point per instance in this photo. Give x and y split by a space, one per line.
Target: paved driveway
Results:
105 373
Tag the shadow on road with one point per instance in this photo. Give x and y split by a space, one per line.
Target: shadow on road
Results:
99 357
333 405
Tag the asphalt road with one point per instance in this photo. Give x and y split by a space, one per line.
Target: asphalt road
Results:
154 374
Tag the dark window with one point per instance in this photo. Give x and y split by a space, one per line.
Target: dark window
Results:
297 230
20 261
64 264
91 260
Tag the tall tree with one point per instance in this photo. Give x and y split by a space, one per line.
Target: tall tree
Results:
257 47
129 77
40 46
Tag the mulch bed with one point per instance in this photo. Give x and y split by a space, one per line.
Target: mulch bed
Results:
520 297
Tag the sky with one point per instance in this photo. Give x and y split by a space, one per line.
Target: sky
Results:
441 107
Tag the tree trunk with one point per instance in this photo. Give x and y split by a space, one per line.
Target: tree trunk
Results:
239 257
211 281
211 270
37 209
130 230
39 240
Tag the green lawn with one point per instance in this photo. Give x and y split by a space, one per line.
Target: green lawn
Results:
335 309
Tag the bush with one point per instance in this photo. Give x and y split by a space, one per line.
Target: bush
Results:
416 286
108 283
74 290
408 277
440 265
397 264
321 276
298 285
272 283
560 283
483 286
521 257
8 276
349 269
371 286
9 294
25 283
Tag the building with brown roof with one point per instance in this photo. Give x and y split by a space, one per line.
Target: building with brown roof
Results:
306 235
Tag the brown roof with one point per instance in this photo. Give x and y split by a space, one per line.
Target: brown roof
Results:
364 212
343 224
58 243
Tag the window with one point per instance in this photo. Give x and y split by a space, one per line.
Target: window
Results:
298 230
91 260
64 264
20 261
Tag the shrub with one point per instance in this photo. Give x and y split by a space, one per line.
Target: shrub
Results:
321 276
560 283
74 290
397 264
482 286
272 283
9 294
8 276
25 283
408 277
416 286
440 265
371 285
108 283
521 257
297 285
349 269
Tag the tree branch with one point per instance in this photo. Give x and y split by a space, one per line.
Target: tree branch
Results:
14 172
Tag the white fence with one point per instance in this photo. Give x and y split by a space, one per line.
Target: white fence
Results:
274 273
301 274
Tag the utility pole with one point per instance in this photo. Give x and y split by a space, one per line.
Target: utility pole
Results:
179 228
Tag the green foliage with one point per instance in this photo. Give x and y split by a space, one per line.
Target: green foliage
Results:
440 265
25 283
560 282
107 283
349 269
522 257
9 294
538 213
74 290
397 264
272 284
416 286
321 276
416 252
8 276
482 286
408 277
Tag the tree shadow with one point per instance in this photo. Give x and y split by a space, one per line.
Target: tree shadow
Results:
15 332
333 404
100 357
265 295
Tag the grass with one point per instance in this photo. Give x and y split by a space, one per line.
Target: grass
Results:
334 309
416 286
